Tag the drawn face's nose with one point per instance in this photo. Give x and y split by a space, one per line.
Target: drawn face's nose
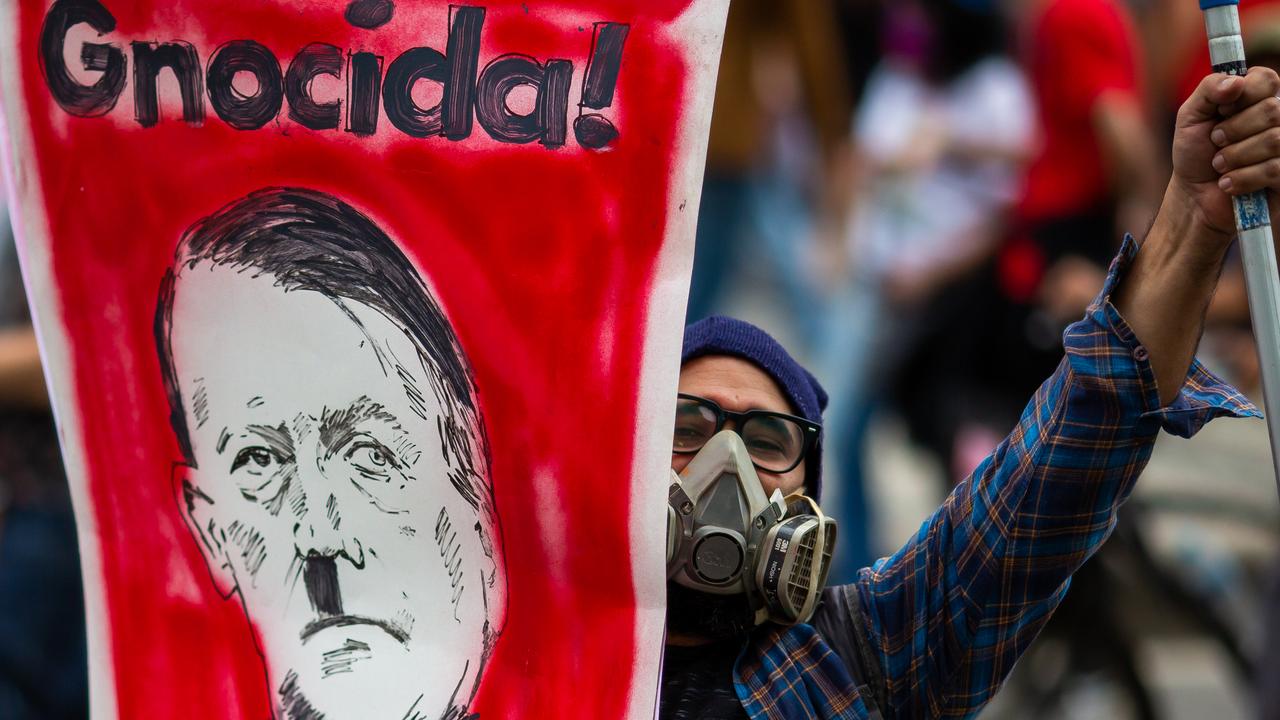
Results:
318 530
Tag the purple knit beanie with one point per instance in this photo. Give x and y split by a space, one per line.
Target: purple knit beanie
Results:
718 335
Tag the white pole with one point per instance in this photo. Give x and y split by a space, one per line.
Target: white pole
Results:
1253 223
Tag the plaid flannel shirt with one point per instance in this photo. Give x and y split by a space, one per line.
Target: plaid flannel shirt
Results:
949 614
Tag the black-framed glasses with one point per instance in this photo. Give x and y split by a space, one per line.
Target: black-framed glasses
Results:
776 442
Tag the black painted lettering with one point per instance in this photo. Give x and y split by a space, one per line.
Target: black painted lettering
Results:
594 130
81 100
455 71
497 81
364 77
181 57
467 94
509 72
241 111
553 102
463 51
311 61
605 64
369 14
403 73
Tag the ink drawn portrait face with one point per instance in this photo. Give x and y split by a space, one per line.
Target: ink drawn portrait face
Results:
336 476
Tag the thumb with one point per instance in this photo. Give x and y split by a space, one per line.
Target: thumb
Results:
1212 98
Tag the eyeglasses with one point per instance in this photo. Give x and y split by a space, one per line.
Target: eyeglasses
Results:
776 442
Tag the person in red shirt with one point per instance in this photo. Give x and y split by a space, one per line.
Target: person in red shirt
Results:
1096 173
1096 147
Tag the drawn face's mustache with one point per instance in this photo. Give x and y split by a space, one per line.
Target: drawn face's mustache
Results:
320 576
389 628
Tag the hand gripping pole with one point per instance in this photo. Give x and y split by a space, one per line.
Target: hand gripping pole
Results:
1253 223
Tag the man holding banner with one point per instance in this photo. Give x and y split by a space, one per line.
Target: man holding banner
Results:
933 631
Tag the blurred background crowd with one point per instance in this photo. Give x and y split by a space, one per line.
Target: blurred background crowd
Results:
916 196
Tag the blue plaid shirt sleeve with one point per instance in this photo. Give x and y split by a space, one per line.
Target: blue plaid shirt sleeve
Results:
953 610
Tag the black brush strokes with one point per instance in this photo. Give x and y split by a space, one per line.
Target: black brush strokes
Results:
372 85
181 57
240 111
369 14
312 61
81 100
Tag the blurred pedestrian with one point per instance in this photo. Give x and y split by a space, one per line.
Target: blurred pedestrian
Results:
742 127
1096 175
942 133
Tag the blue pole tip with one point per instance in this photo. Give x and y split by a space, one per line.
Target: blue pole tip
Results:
1206 4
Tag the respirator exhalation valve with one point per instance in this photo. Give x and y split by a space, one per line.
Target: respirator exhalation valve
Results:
718 556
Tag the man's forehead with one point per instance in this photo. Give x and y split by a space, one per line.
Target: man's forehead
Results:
243 342
734 383
252 305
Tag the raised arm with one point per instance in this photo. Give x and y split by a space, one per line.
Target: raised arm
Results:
1167 292
951 612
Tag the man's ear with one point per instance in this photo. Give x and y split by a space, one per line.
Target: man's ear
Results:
197 511
494 576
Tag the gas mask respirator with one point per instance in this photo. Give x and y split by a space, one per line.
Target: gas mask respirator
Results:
725 537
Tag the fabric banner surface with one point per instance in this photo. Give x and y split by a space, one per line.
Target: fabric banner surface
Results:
362 324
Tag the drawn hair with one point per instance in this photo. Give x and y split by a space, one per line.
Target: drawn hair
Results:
309 240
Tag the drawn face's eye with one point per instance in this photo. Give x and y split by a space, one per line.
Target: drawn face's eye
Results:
259 471
371 458
256 460
375 456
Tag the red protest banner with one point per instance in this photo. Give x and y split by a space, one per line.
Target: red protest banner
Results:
362 325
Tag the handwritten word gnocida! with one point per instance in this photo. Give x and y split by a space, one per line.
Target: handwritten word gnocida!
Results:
468 92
